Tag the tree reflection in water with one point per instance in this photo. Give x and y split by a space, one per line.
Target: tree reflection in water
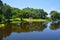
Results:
23 27
55 26
26 27
5 31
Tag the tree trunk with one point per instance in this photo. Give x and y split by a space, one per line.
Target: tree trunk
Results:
21 19
0 20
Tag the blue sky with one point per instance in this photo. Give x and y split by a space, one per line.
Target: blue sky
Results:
47 5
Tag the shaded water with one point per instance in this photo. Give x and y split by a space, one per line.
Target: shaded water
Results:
31 31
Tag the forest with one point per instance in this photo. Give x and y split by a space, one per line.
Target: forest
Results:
10 14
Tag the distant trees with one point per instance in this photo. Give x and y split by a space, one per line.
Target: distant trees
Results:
29 12
34 13
7 12
55 15
42 14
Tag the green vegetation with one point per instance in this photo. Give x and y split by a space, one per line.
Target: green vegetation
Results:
55 15
28 20
1 25
9 14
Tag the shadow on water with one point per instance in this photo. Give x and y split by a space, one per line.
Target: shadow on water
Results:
26 27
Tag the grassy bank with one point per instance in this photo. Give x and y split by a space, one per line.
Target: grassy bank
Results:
17 20
35 20
1 25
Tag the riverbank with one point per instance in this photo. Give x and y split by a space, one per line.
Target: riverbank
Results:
28 20
25 20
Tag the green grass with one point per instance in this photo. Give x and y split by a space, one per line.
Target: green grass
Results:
17 20
1 25
35 20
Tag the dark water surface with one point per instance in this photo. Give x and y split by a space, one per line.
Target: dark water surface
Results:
31 31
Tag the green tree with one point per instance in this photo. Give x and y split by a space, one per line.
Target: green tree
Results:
42 14
34 13
16 13
7 12
1 4
55 15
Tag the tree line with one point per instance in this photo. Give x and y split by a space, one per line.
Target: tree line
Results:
7 12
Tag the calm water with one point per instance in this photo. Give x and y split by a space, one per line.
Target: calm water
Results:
31 31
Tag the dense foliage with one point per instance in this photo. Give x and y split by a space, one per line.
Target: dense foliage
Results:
55 15
7 12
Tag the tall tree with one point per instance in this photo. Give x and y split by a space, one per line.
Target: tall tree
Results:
42 14
1 4
7 12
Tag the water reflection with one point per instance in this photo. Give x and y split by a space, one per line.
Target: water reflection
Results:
22 27
55 26
5 31
26 27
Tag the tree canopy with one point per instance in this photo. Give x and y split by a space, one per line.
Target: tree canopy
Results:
55 15
7 12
